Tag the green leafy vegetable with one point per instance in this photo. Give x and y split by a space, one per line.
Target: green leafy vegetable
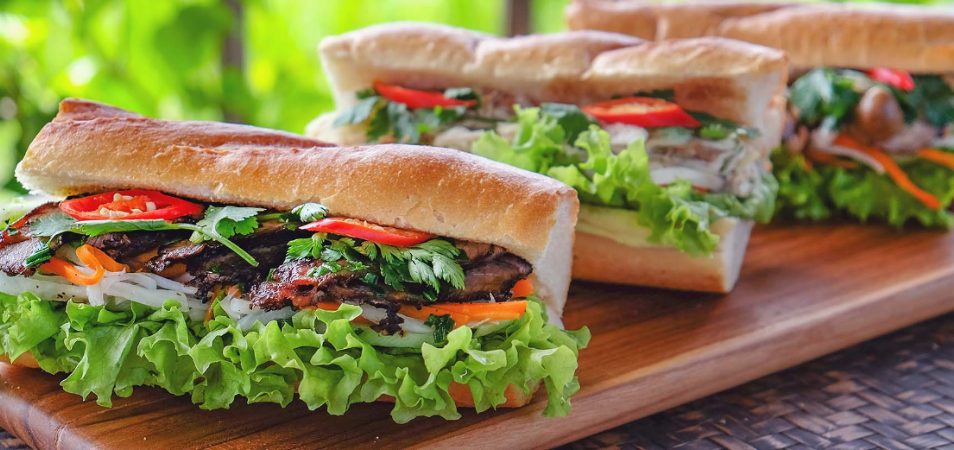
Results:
310 212
569 117
934 98
824 93
386 119
226 222
219 224
826 191
442 326
323 353
430 264
675 214
50 225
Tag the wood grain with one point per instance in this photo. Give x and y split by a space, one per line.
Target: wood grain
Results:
805 291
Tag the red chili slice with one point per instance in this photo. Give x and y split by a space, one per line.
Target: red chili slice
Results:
645 112
416 99
368 231
893 77
136 204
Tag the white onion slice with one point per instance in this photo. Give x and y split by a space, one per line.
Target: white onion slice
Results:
668 175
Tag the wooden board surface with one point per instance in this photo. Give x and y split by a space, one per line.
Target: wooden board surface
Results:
805 291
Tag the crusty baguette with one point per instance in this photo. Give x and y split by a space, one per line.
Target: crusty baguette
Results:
729 79
444 192
918 39
459 392
597 258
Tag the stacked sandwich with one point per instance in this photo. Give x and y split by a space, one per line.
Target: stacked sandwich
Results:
223 261
870 129
666 144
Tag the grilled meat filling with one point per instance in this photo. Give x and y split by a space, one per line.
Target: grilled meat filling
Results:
490 273
211 265
16 245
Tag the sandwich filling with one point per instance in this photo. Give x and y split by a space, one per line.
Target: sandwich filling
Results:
868 144
136 287
675 171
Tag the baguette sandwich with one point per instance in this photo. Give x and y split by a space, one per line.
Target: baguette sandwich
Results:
666 143
223 261
870 127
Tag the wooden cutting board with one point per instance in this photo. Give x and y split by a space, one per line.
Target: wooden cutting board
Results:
805 291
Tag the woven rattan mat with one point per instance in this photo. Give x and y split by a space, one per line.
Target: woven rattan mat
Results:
895 392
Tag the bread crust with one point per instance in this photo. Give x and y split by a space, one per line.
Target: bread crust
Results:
732 80
444 192
917 39
597 258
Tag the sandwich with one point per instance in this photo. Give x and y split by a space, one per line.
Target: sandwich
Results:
870 126
666 144
223 261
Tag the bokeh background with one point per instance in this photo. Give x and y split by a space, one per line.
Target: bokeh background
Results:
251 61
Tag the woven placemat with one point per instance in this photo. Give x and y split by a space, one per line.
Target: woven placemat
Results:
895 392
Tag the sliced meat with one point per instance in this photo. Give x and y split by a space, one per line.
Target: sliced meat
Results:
122 246
13 256
490 277
490 272
212 265
16 244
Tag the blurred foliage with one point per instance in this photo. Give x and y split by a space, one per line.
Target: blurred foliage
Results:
252 61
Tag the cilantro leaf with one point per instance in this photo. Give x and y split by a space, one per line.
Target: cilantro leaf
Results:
309 247
49 225
569 117
442 326
227 221
934 98
310 212
823 93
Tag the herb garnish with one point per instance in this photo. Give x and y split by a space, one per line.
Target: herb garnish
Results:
443 325
431 265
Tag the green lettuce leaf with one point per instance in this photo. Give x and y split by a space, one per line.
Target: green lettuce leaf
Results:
676 214
825 191
323 353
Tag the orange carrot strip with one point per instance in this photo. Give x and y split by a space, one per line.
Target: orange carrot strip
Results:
894 171
469 312
941 157
66 270
91 253
522 289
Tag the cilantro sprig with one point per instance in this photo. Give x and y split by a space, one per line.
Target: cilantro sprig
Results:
432 265
219 224
385 118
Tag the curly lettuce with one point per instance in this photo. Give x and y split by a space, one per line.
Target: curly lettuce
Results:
323 353
675 215
824 191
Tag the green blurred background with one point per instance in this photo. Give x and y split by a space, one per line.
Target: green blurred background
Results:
251 61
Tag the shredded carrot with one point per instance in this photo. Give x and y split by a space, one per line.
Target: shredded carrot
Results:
522 289
827 158
469 312
941 157
174 271
91 253
894 171
66 270
209 313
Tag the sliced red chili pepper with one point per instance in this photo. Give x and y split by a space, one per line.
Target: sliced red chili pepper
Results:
642 111
136 204
893 77
368 231
416 99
